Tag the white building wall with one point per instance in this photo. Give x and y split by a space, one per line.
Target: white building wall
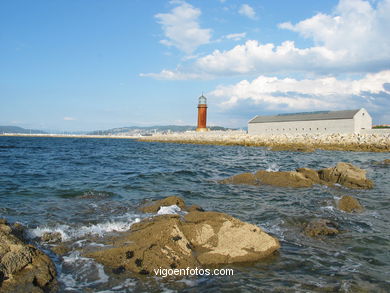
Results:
363 121
316 126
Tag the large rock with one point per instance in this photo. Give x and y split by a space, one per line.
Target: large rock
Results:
343 173
220 239
346 174
23 267
283 179
349 204
195 240
244 178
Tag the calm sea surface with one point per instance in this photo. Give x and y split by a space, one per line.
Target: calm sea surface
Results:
84 187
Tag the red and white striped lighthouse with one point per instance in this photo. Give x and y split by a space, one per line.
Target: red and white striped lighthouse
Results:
202 114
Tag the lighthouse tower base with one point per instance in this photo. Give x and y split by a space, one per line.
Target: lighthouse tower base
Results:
201 129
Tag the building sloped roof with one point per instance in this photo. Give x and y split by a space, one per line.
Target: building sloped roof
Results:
306 116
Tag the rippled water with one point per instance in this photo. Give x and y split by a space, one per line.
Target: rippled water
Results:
84 187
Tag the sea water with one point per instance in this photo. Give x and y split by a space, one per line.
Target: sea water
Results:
86 189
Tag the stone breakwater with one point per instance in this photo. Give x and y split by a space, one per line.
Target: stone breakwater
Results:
298 142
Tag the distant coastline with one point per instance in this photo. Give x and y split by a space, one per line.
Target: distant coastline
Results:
68 135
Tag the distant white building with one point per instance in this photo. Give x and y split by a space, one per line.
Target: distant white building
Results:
348 121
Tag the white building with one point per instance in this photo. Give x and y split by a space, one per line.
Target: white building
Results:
348 121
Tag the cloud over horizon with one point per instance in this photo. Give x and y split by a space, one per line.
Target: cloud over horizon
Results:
288 94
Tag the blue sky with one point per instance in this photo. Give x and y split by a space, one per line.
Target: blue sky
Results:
98 64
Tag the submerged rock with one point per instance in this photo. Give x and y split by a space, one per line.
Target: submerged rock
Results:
321 227
23 267
51 237
175 242
343 173
349 204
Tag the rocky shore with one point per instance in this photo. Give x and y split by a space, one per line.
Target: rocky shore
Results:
298 142
194 239
344 174
23 267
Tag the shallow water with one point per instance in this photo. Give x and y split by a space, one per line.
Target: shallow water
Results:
88 188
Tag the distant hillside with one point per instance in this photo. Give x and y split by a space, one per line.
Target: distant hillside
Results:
145 130
17 129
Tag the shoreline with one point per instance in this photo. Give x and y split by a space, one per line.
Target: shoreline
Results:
298 142
284 142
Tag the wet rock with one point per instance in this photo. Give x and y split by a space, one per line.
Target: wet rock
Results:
321 227
245 178
349 204
60 249
346 174
168 201
195 240
23 267
51 237
343 173
311 175
152 246
283 179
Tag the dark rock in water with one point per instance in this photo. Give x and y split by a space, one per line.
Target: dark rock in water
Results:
168 201
349 204
197 239
51 237
321 227
23 267
343 173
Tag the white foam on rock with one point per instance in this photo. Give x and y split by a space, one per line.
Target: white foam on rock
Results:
169 210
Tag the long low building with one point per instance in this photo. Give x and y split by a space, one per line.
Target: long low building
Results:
347 121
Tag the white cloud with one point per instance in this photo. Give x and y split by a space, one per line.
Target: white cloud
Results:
181 28
247 11
355 26
69 118
235 37
175 75
352 39
253 57
306 94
